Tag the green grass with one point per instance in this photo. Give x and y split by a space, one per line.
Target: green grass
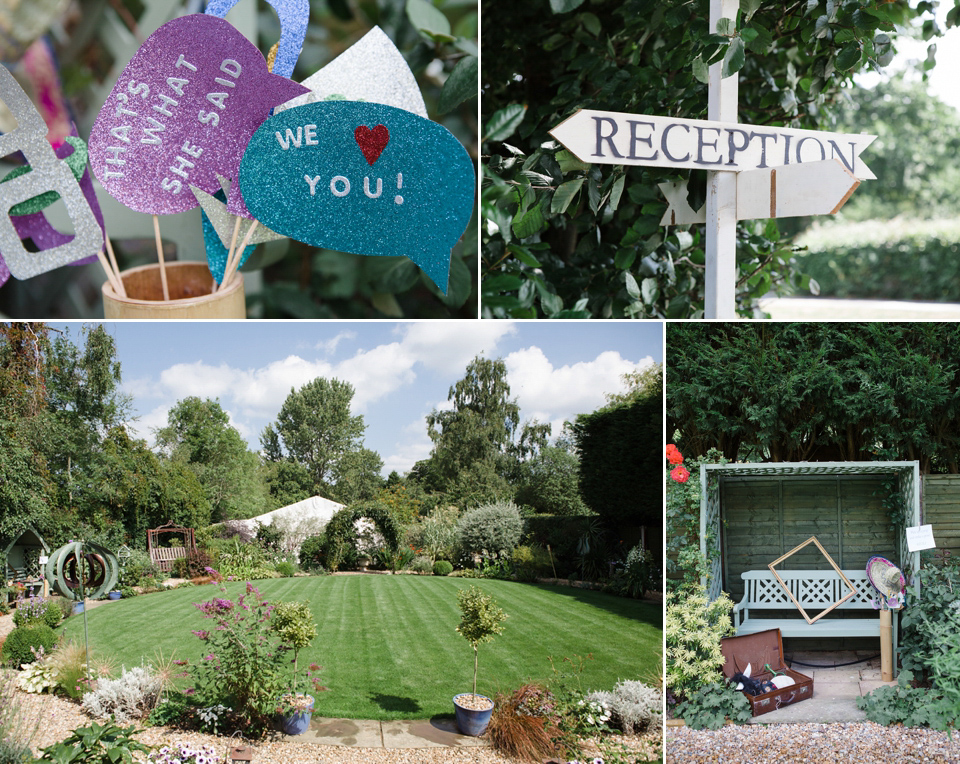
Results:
388 644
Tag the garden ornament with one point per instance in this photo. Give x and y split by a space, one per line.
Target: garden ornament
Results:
888 582
81 569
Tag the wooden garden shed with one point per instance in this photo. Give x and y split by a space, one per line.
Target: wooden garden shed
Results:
21 557
754 513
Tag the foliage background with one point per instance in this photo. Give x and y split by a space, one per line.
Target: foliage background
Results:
816 391
564 239
437 38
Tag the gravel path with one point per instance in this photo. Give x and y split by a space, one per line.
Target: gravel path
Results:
863 743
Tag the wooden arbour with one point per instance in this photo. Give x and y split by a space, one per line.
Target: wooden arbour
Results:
163 557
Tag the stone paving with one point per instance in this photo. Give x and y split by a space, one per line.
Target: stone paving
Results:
835 687
364 733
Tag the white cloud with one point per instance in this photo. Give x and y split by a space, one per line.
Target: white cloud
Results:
553 394
448 346
330 346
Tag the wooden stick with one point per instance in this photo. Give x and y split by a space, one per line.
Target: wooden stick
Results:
233 243
111 276
121 290
163 265
238 255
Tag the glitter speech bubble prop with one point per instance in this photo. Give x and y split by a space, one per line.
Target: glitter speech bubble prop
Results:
47 173
363 178
293 15
372 69
181 112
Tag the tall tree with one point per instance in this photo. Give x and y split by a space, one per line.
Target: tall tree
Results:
549 481
472 441
199 435
316 430
357 476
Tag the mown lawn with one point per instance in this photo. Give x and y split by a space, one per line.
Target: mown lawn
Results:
388 644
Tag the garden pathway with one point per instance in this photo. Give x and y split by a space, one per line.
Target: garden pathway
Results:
836 688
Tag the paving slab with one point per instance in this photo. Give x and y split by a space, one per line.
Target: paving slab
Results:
366 733
431 733
869 685
360 733
817 710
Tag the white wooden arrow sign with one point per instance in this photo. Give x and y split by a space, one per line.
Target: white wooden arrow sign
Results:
797 190
610 137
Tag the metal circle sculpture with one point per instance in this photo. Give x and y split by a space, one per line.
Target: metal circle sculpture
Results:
82 569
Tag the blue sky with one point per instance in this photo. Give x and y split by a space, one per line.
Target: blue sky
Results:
400 370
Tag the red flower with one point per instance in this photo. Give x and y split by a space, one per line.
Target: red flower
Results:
680 474
673 454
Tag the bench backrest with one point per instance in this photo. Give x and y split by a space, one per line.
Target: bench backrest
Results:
163 557
813 588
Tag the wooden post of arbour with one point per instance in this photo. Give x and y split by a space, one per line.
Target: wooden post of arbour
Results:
720 281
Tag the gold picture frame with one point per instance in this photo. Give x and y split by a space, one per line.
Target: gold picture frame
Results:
812 540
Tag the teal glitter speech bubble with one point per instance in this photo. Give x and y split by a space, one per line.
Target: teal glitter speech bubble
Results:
363 178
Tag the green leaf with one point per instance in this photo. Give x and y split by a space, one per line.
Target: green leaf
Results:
625 257
551 303
649 291
631 283
749 7
426 17
569 163
563 6
505 122
726 27
616 192
701 71
564 195
848 57
463 83
591 23
524 255
734 58
529 223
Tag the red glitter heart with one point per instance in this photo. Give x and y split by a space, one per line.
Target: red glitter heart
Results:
372 142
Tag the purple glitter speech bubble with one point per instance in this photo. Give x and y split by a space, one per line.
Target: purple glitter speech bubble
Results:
182 111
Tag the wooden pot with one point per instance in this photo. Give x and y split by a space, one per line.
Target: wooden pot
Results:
189 285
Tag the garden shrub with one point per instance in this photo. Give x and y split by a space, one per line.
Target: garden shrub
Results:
436 534
421 564
270 538
634 706
530 562
293 623
132 696
127 592
96 744
893 261
285 568
930 620
638 574
194 564
693 630
712 704
521 725
313 552
908 705
137 567
37 609
242 662
17 647
561 534
442 568
491 530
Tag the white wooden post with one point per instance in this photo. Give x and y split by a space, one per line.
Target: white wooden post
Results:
721 245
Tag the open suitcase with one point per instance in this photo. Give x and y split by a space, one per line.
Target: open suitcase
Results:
759 650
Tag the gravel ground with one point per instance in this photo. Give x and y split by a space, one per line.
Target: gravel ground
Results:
865 743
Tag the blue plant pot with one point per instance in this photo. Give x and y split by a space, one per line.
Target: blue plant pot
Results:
295 723
114 595
471 722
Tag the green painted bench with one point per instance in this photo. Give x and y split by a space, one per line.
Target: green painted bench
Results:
814 590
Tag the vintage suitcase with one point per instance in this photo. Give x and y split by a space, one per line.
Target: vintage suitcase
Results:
759 650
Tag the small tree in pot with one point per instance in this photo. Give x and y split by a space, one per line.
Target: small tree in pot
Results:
293 623
480 620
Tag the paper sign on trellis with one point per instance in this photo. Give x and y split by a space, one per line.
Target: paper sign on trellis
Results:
812 540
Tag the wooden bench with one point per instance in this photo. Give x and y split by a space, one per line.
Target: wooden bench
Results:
163 557
814 590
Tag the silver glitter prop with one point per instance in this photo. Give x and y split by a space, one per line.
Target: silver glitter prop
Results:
47 174
372 69
223 222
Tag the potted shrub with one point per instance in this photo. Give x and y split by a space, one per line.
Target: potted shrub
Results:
480 620
293 623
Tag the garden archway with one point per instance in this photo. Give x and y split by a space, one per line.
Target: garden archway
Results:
341 530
